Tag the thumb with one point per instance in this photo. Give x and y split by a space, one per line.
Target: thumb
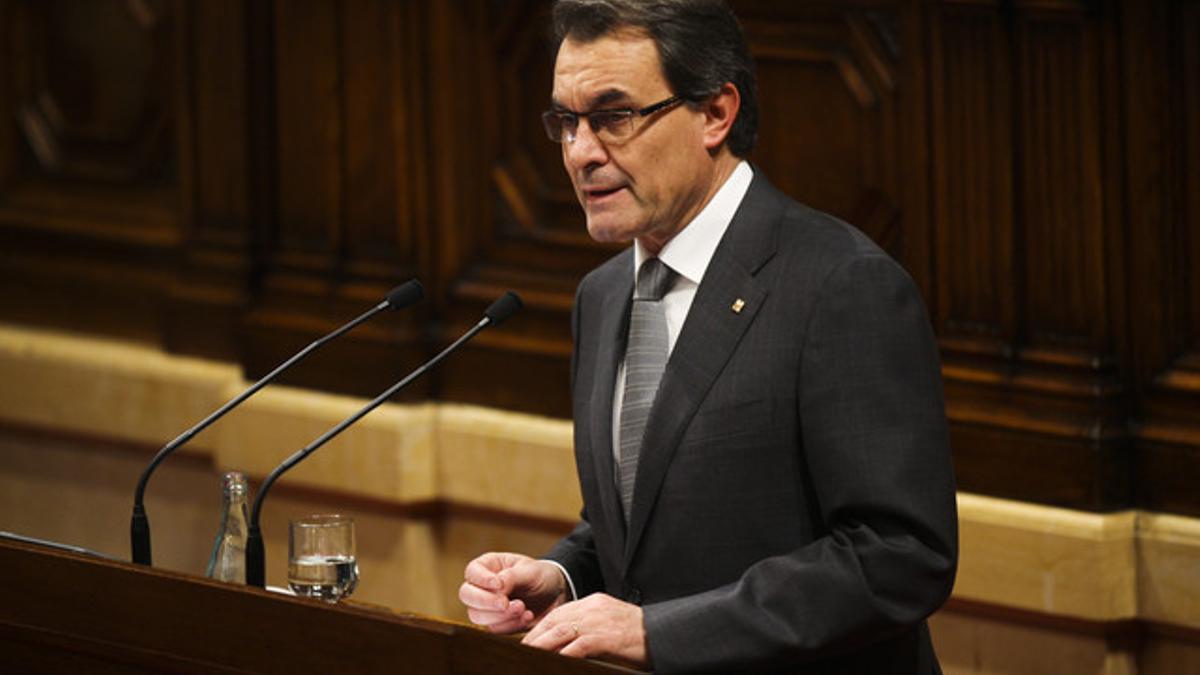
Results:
518 578
485 571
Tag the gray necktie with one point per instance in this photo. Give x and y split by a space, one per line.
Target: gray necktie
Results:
645 359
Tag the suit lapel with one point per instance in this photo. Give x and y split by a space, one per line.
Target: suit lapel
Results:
709 337
614 322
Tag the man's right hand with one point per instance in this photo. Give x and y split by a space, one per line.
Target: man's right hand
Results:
509 592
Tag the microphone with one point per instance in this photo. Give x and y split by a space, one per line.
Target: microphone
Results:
399 297
501 309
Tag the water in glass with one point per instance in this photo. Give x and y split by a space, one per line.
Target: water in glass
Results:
321 557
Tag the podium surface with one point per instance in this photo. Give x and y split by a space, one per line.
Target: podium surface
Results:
65 612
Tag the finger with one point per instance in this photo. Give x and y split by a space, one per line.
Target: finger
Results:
480 572
511 626
477 598
541 627
514 578
497 622
513 610
581 648
526 581
562 614
483 617
552 637
516 617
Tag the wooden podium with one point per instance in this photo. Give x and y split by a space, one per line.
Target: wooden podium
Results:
66 613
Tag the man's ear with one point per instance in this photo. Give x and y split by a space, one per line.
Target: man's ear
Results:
719 113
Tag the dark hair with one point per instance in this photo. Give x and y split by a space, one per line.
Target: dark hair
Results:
700 45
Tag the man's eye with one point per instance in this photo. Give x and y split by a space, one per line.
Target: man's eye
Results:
605 120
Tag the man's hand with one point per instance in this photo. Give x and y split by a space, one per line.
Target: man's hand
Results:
509 592
598 626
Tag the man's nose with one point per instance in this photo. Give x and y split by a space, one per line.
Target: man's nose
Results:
583 149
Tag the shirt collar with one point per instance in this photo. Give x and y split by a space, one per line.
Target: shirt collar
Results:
690 251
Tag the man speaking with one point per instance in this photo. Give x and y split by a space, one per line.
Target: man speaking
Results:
759 429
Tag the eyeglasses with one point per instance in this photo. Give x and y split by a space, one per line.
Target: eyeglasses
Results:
610 126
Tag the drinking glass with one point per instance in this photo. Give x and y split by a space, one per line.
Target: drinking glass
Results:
321 562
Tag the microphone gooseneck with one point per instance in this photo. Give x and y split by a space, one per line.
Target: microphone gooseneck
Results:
498 311
139 527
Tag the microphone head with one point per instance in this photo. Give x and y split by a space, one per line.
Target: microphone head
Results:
405 294
504 307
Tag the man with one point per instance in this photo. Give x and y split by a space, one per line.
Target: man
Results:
762 450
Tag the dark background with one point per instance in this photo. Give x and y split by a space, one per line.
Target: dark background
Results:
233 179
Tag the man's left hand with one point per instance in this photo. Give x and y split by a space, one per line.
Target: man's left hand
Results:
598 626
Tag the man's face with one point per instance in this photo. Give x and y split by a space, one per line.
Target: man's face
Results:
652 184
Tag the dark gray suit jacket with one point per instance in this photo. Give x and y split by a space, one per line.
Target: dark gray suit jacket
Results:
794 504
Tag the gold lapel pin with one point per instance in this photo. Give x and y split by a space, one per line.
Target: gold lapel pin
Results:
738 305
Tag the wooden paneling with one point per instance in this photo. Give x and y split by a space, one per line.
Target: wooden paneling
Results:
1026 309
972 103
345 203
210 291
1164 229
93 88
830 95
234 180
505 206
1060 211
90 174
90 90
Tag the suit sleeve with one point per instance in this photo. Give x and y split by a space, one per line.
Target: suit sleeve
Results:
576 552
875 444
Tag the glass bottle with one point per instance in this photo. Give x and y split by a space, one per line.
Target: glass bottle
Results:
228 559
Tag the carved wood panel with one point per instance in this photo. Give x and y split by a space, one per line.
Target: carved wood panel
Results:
215 264
1026 307
976 305
346 209
93 89
828 84
88 112
1060 188
88 178
505 204
1164 104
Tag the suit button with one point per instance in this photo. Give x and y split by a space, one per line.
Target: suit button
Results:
635 596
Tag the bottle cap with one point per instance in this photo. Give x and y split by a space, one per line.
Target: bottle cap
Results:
234 484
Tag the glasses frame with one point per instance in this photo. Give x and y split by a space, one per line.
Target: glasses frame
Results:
567 121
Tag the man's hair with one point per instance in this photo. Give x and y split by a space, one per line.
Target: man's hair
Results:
700 45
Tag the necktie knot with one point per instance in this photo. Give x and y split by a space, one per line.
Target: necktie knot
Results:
654 279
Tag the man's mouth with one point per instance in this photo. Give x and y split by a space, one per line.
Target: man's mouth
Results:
597 194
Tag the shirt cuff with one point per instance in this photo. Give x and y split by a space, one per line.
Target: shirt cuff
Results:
566 575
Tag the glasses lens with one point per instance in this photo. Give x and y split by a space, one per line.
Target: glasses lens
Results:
560 126
615 125
552 121
607 125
